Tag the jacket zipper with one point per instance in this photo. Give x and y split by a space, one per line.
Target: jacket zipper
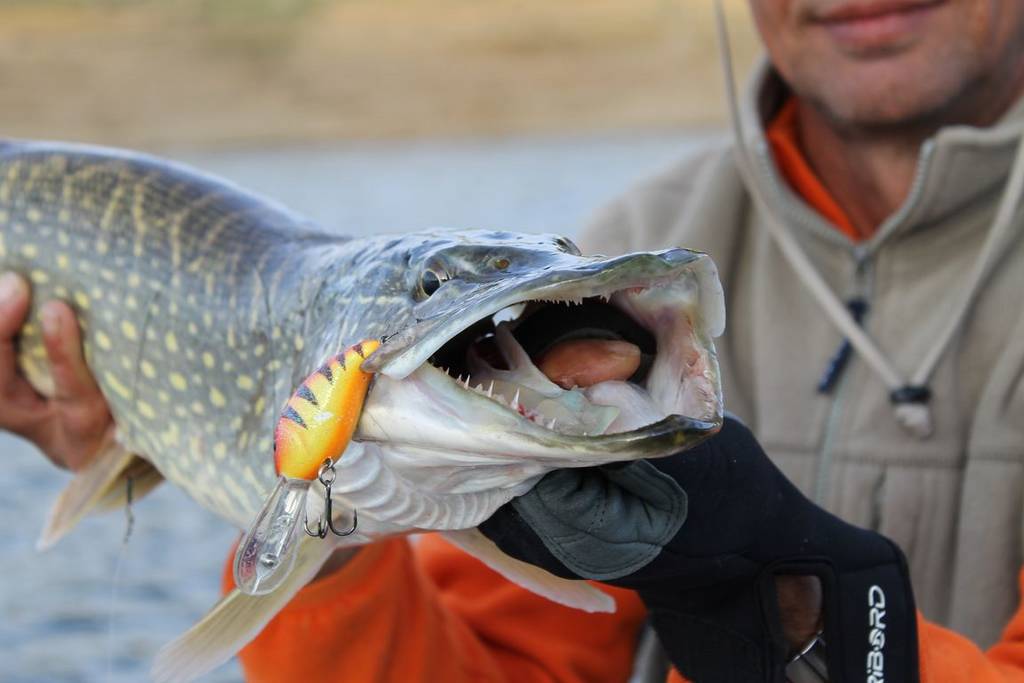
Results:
862 255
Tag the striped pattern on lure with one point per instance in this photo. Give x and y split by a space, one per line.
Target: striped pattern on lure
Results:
320 417
203 307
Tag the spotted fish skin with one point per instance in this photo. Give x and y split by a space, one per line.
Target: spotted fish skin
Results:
202 306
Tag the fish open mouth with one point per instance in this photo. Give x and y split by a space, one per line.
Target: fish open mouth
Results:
498 357
488 373
537 328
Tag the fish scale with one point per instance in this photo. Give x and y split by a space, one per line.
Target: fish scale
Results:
205 274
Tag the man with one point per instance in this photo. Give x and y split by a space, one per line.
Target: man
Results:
887 130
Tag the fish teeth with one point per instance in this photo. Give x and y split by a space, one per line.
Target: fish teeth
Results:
490 389
551 425
515 399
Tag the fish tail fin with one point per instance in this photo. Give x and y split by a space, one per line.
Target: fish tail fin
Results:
235 620
578 594
101 485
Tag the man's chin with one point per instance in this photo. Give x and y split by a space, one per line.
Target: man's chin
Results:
887 93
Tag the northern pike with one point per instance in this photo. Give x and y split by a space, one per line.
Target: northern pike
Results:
203 307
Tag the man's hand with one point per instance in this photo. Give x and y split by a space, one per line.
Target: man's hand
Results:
705 537
70 427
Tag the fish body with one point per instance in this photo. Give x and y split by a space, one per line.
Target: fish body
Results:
204 307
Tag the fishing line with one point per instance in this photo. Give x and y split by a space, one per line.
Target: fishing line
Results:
122 553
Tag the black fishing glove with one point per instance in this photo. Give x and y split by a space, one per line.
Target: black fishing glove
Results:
701 536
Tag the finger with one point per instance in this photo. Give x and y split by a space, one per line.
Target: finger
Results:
14 300
72 379
800 600
21 408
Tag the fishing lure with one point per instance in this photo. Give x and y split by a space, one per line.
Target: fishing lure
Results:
315 427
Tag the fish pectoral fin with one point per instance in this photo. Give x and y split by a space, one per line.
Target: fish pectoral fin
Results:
235 620
100 486
578 594
144 477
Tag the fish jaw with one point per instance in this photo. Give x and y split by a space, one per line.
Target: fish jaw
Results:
684 376
675 295
430 412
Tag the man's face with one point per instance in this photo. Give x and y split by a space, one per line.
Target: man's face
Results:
894 62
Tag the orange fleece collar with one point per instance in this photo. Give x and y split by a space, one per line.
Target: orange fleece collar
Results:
783 133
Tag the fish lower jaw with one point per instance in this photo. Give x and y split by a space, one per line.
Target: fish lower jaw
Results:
513 403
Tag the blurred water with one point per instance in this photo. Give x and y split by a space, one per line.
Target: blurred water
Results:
62 619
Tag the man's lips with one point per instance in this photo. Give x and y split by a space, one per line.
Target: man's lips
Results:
869 9
875 25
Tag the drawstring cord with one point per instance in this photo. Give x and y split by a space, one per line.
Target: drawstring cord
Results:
909 397
837 363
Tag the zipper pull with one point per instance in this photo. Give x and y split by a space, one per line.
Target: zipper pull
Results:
858 307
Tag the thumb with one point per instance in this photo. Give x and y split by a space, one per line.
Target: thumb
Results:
63 341
659 493
602 524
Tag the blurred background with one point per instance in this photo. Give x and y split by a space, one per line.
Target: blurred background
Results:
367 115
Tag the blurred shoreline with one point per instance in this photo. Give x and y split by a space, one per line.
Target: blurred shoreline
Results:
215 74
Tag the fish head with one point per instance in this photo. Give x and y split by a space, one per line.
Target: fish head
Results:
457 406
458 373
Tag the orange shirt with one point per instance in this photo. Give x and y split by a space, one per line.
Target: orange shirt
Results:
783 134
426 612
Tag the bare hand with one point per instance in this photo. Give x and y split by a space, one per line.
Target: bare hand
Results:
800 613
70 427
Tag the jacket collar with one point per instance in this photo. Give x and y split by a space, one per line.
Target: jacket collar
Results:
956 167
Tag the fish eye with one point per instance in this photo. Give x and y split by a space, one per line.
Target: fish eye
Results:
565 245
430 281
501 263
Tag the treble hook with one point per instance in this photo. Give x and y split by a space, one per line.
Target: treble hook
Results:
326 476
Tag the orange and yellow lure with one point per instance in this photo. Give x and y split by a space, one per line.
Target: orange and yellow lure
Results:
314 430
319 419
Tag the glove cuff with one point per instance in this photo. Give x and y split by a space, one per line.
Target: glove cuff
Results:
870 620
871 623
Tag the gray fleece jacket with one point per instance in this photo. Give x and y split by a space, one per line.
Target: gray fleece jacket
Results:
954 501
